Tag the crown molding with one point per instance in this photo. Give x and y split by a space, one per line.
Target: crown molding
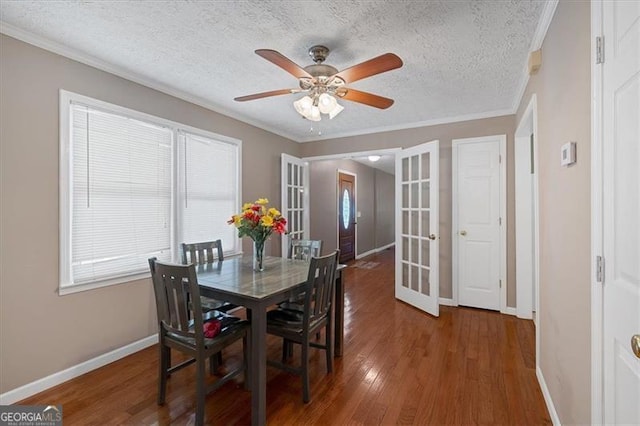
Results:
381 129
92 61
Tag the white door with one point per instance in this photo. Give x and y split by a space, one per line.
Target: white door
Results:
477 221
621 212
417 226
294 181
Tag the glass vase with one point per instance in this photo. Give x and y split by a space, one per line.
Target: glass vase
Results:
258 256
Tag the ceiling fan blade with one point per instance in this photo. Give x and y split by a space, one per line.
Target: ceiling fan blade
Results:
377 65
266 94
366 98
283 62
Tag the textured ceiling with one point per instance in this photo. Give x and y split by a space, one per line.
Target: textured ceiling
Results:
462 59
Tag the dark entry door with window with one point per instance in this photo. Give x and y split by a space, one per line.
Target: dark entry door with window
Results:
346 217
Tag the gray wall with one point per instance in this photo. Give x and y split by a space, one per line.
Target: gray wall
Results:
323 201
43 333
444 133
385 208
562 88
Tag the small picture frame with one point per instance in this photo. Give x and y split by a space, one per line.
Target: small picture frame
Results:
568 154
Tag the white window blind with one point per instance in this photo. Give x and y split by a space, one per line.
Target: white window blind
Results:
209 196
135 186
121 195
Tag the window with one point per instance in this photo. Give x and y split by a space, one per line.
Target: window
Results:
134 186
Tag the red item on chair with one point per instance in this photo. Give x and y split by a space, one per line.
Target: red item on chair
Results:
212 328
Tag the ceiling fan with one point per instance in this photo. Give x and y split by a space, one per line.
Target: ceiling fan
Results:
324 83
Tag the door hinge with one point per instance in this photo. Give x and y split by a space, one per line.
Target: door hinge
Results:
499 159
599 269
500 221
500 283
600 50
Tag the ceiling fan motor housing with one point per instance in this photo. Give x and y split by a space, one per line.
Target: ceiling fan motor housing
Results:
318 53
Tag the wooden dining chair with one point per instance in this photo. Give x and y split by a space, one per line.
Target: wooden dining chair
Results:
205 253
301 250
304 249
181 327
299 326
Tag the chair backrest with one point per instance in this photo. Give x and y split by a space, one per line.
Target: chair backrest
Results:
177 292
201 253
304 249
319 288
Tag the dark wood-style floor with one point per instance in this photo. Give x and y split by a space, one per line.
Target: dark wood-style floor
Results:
400 366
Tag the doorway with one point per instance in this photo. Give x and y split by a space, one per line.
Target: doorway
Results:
479 222
526 201
346 216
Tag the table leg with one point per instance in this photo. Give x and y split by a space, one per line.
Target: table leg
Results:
258 369
339 315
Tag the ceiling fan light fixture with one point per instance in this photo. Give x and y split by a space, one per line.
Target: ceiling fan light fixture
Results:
326 103
374 158
303 105
314 114
335 111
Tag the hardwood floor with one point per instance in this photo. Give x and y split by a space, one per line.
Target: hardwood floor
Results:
400 366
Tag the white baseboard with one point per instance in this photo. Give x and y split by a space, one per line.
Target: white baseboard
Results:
547 398
510 311
374 251
447 301
25 391
385 247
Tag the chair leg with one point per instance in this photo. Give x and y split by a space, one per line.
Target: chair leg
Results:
215 361
329 347
200 389
162 377
305 371
285 350
245 360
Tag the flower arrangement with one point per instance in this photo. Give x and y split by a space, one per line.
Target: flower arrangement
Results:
258 222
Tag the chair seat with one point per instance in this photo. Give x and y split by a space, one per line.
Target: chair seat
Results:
209 304
288 320
292 305
230 326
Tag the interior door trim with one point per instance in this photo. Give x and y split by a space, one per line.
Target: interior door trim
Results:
597 226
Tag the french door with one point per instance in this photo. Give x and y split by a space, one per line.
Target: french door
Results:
294 181
417 227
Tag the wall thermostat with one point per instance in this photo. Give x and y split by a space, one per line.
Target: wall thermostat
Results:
568 154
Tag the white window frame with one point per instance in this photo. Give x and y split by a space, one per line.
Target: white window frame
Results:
67 99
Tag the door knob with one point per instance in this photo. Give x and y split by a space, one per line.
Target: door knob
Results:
432 236
463 233
635 344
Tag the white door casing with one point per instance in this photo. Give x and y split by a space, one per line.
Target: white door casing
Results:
616 214
417 187
294 186
479 222
526 209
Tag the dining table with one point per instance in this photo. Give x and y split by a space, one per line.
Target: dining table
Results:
234 280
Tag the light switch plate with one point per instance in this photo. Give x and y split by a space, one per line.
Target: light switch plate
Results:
568 154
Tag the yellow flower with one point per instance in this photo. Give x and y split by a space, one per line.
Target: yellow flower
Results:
267 220
274 212
262 201
246 206
237 219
